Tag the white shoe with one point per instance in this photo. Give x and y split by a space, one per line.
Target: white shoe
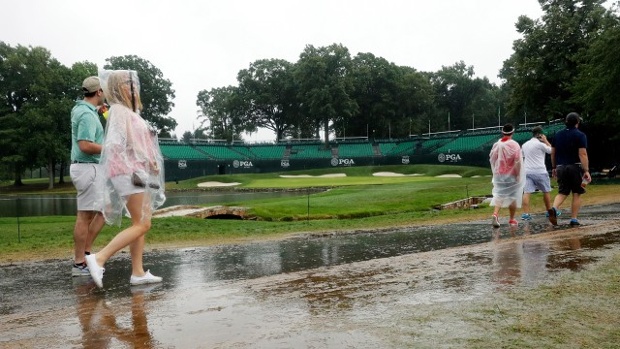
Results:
96 272
148 278
495 221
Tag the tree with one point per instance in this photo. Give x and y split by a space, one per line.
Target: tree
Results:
459 97
269 92
35 102
546 60
596 90
596 86
325 86
416 99
375 89
156 91
223 113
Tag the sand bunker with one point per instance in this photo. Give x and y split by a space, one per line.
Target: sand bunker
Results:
176 211
217 184
329 175
450 175
394 174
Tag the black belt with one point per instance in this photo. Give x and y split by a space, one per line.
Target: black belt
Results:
82 162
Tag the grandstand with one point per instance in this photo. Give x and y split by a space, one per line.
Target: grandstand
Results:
469 147
266 152
354 150
310 151
180 151
223 152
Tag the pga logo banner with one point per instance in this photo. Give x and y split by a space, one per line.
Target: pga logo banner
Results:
242 163
342 162
449 157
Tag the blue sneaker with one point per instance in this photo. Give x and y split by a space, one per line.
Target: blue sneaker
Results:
574 222
558 213
526 217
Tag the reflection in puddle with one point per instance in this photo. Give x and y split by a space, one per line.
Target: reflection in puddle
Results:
105 324
280 293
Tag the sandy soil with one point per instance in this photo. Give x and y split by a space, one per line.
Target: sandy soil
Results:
394 174
217 184
329 175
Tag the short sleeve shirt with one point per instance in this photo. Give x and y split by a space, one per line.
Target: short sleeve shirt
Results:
567 143
85 126
534 152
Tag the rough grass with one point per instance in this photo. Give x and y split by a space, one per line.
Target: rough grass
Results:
579 310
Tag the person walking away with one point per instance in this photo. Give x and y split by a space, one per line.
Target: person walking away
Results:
133 166
536 175
508 175
570 165
85 171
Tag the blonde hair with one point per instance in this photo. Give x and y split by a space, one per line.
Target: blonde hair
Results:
119 89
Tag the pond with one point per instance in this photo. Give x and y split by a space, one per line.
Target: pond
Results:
65 204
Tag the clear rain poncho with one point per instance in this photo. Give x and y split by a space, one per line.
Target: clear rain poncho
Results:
130 148
508 173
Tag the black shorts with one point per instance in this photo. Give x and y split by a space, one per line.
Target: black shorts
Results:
569 179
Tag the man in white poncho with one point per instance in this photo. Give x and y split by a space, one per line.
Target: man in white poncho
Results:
508 175
133 166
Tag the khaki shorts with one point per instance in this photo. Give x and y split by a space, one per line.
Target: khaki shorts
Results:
88 180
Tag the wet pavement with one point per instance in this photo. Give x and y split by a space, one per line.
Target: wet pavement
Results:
329 291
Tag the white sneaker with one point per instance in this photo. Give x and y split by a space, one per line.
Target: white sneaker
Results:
96 272
148 278
495 221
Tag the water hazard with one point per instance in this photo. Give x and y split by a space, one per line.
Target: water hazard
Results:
280 294
65 204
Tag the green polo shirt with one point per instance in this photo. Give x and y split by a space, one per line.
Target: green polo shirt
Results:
85 126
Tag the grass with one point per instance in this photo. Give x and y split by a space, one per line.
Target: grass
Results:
360 201
577 310
580 310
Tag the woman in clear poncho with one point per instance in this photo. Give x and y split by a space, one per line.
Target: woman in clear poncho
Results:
508 175
133 166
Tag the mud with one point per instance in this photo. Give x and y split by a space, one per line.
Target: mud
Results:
407 288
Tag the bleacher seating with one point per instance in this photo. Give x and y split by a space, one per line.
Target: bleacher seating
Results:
268 151
433 143
181 151
467 143
312 151
355 150
386 148
244 150
221 152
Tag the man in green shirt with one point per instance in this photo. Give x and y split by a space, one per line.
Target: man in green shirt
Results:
86 175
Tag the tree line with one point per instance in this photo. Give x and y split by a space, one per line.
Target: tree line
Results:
564 61
37 93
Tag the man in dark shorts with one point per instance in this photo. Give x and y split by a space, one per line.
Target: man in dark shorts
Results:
569 160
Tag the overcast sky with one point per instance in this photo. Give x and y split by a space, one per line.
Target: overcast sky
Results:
199 45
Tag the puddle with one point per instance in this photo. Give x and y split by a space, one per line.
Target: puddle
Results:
335 291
